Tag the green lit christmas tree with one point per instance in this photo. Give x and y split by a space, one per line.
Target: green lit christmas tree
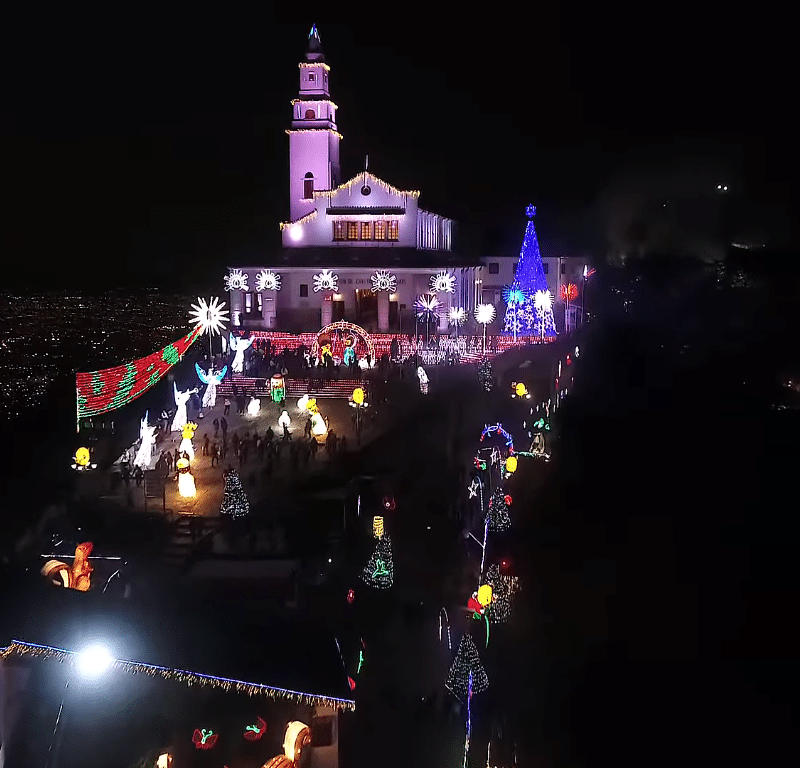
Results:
234 498
379 571
466 661
497 515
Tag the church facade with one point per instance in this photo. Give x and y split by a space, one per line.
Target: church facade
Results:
360 250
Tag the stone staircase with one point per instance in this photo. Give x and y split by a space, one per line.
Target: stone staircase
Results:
294 387
181 545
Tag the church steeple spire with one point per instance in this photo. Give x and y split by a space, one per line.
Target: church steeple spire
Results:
314 52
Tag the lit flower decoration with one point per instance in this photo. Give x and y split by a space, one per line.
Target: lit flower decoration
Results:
267 280
236 281
427 308
543 300
384 281
485 313
569 292
326 281
443 282
513 295
457 316
211 316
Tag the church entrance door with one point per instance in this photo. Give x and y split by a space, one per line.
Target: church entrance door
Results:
366 308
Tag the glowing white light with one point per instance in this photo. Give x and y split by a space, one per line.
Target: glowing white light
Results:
457 315
93 661
485 313
364 365
543 300
422 376
236 281
254 407
577 351
384 281
211 316
186 486
302 403
296 233
443 282
318 425
293 731
284 420
267 280
326 281
427 307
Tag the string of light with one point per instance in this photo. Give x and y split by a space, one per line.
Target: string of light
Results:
363 178
302 220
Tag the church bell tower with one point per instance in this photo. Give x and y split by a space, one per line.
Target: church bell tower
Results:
313 138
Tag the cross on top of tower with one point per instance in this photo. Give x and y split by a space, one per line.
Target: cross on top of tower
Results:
314 52
530 211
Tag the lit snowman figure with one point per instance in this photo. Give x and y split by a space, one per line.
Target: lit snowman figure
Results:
254 407
302 403
284 420
318 426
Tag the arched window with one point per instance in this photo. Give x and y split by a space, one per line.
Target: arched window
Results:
308 187
310 114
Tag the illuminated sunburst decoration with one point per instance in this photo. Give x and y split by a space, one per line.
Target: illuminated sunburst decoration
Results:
427 308
384 281
267 280
211 316
543 300
485 313
443 282
457 316
326 281
236 281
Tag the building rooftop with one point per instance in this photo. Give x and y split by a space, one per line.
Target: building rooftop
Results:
226 642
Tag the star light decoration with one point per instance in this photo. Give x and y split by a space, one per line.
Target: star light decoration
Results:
236 280
443 282
326 281
210 316
267 280
457 316
384 281
427 308
473 488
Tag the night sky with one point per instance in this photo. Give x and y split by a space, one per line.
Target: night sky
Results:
148 145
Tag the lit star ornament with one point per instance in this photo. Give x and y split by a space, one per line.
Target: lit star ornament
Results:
325 281
443 282
267 280
236 281
211 316
384 281
473 489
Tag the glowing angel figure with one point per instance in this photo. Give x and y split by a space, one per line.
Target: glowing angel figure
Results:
181 417
443 282
147 435
423 380
239 346
212 378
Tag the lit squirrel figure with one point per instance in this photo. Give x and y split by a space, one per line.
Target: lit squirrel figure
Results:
186 444
79 576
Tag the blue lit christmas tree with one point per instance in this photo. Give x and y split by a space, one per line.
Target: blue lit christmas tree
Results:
529 307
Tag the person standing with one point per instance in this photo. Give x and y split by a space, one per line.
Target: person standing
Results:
227 409
216 427
206 444
223 422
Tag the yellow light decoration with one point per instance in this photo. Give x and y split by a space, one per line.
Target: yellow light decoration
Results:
521 390
188 430
315 130
311 405
164 761
317 101
19 648
318 426
186 486
358 396
377 527
511 464
82 457
297 737
302 220
485 595
366 177
310 65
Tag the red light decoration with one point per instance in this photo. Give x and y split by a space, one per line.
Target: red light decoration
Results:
352 683
569 291
204 739
388 503
255 732
569 359
111 388
350 596
508 499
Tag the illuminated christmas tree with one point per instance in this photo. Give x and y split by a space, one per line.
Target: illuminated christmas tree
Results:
503 589
234 498
466 661
379 571
485 374
525 313
497 515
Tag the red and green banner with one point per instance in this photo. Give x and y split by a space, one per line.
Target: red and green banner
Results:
111 388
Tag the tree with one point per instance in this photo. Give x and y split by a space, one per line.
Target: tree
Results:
234 498
523 313
379 571
466 661
497 515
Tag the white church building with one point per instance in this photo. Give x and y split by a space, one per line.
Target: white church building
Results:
363 250
359 250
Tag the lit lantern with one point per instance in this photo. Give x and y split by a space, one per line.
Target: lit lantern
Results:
511 464
254 407
377 527
277 387
164 760
520 390
318 426
302 403
311 405
284 420
186 487
82 457
358 396
485 595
